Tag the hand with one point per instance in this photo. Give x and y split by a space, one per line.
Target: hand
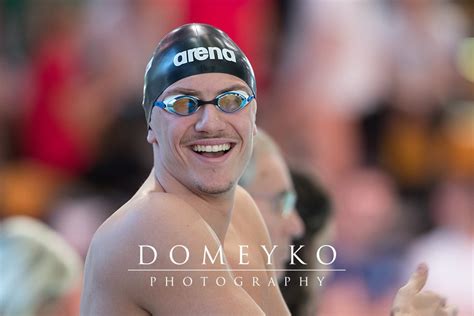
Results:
410 301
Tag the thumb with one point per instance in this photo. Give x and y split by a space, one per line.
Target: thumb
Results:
417 280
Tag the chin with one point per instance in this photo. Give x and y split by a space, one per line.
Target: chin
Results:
216 188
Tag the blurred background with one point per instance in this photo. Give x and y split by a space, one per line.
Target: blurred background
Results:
376 98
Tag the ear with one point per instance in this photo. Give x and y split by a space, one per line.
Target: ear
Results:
255 130
151 137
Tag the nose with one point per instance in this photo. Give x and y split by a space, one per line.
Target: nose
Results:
294 225
209 120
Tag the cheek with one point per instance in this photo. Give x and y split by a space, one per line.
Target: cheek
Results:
272 223
246 130
276 227
246 122
170 132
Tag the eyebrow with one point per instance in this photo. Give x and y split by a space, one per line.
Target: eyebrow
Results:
236 86
196 93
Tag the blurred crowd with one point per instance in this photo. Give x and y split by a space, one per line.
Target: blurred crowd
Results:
374 98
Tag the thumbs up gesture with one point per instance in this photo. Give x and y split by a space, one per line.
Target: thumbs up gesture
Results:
411 301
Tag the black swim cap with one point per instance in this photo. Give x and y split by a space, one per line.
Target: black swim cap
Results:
189 50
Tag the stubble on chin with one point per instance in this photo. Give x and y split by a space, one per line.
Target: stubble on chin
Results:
215 190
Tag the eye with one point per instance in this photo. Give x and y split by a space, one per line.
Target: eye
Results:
184 105
231 102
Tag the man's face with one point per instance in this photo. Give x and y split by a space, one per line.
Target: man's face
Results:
181 143
272 178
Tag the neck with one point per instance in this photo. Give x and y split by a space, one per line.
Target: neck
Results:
215 209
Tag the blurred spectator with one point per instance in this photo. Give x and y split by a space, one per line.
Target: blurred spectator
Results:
419 149
366 210
84 67
332 72
408 149
449 248
456 141
377 55
424 53
424 84
268 181
85 71
53 130
314 207
41 274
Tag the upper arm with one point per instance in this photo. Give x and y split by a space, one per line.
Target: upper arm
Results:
106 285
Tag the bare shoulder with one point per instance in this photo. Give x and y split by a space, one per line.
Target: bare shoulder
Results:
154 222
156 219
159 219
154 215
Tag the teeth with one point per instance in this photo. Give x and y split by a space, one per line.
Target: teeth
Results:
211 149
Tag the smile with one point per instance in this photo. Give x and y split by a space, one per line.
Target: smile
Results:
212 151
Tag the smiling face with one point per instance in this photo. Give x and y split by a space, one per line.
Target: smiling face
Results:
207 151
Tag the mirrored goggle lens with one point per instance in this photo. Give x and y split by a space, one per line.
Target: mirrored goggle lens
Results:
230 102
185 106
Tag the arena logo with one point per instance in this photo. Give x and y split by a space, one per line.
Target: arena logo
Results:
203 53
